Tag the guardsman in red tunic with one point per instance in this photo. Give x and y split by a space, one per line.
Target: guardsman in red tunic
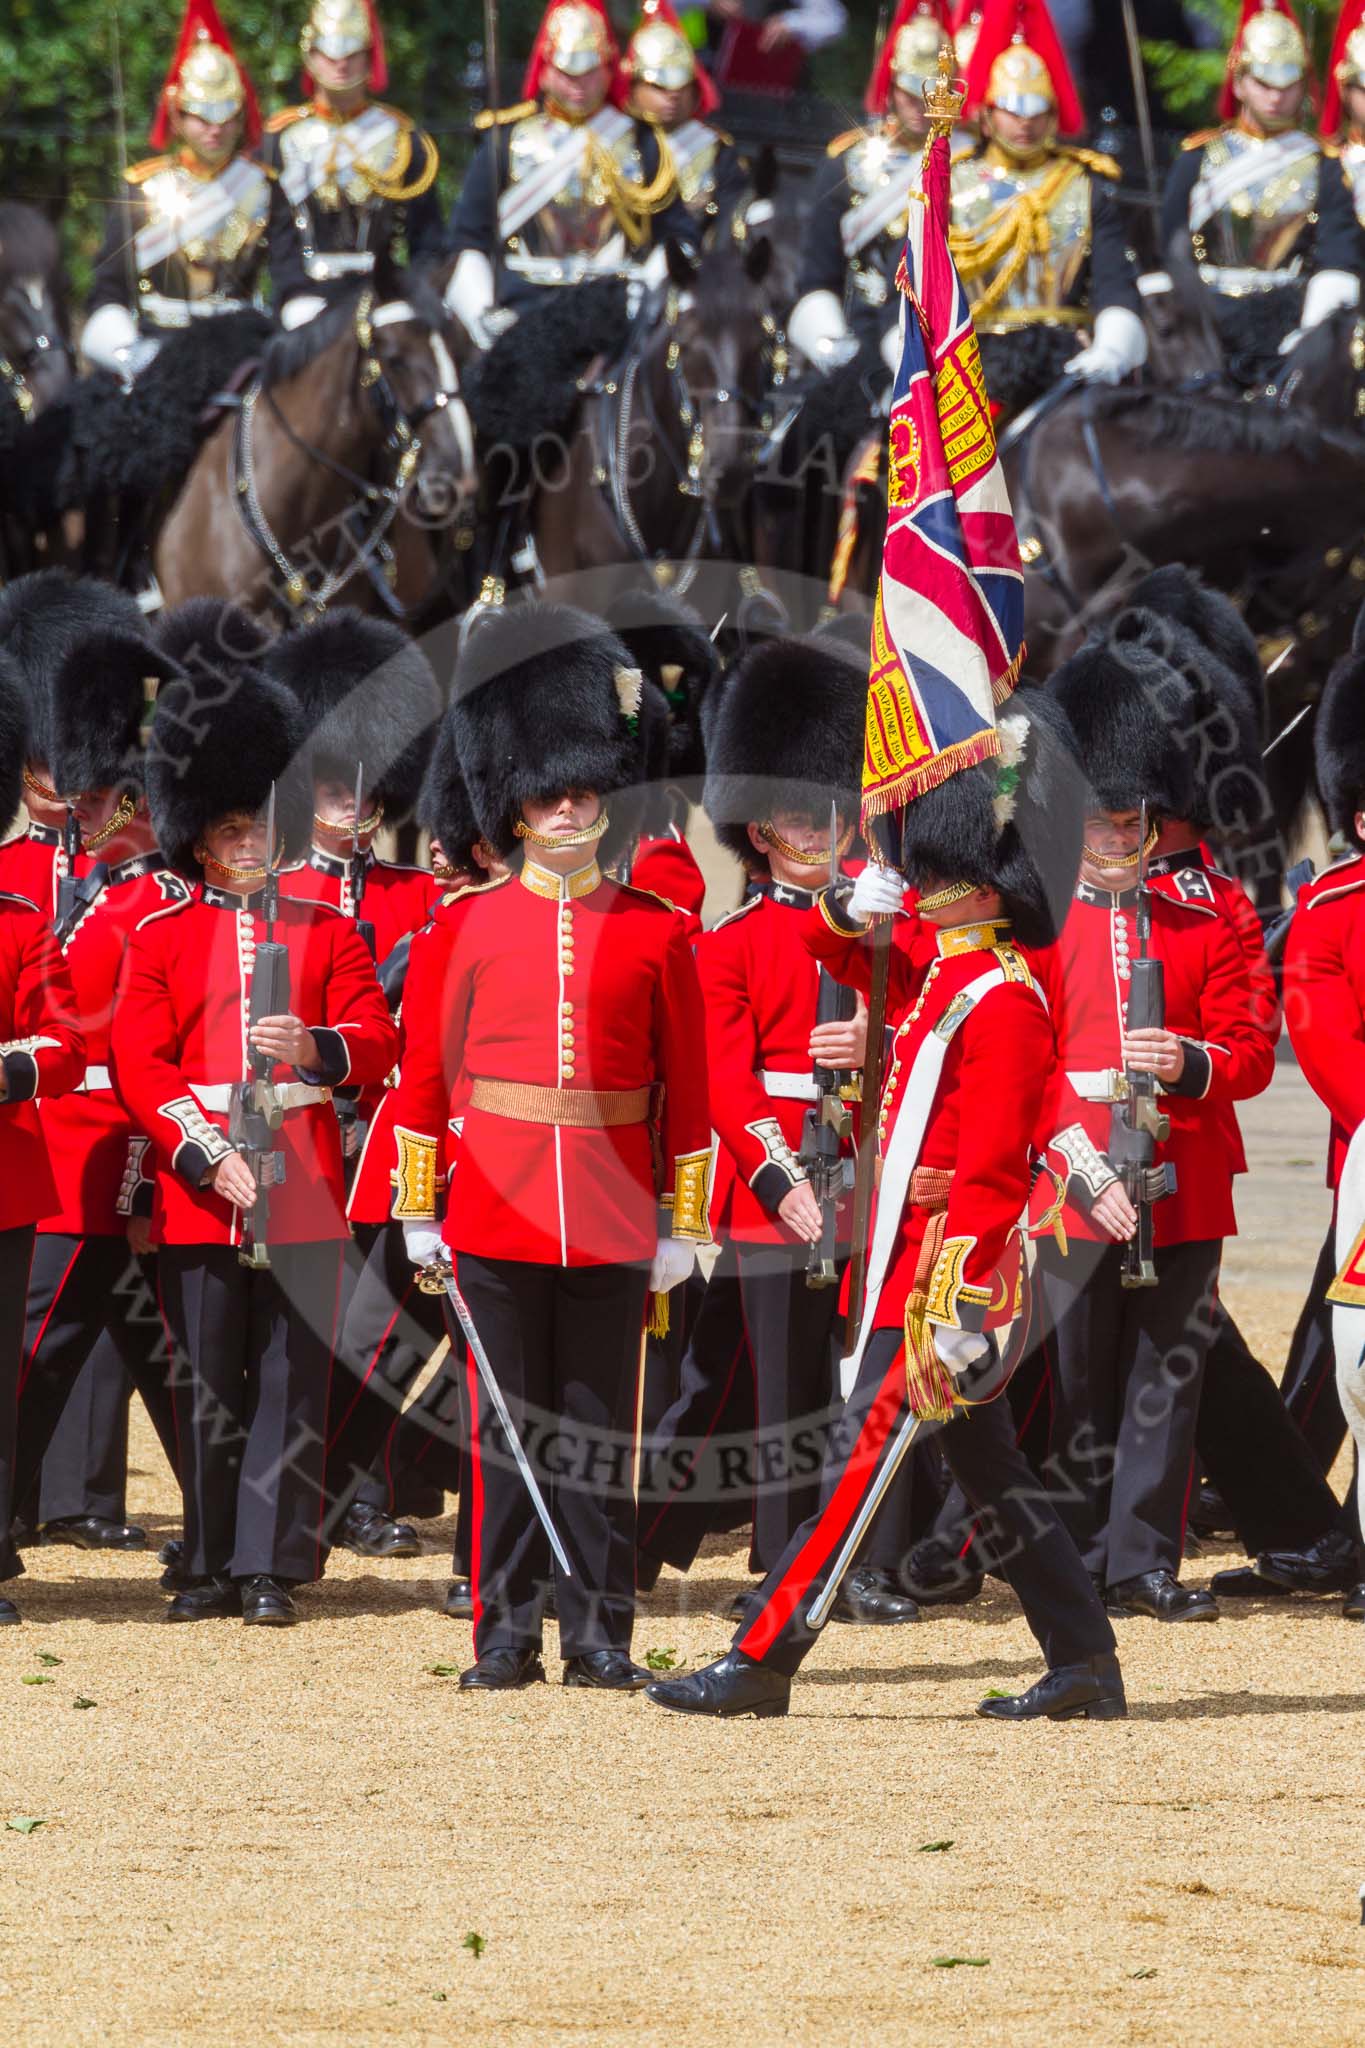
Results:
558 1015
992 850
371 703
42 1054
254 1341
1324 1007
1129 1359
93 1328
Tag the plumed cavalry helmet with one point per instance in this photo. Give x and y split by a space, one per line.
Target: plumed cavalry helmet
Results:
1269 46
368 697
546 699
966 29
574 37
1018 65
206 79
1339 740
44 617
223 731
784 732
909 51
1135 719
1345 66
658 53
339 28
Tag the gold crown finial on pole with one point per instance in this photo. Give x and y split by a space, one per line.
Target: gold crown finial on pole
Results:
944 96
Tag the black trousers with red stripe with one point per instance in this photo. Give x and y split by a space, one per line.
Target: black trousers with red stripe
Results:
16 1254
1034 1552
564 1346
250 1371
1309 1385
92 1327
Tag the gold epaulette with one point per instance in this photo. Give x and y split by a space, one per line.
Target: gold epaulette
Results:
1094 160
286 117
498 117
138 174
650 895
845 141
1201 138
473 889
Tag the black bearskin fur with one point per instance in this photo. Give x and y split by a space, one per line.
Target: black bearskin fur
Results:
527 384
99 703
785 733
443 807
368 694
1024 363
43 619
1178 593
1135 719
662 633
1339 742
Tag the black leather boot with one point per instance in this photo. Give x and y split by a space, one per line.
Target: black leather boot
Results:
732 1686
1092 1691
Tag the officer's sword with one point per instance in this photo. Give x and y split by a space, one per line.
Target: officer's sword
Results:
494 1392
817 1614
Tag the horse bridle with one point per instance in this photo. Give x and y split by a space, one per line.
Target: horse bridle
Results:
402 439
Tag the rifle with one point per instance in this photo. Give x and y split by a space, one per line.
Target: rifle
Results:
255 1112
358 866
1136 1124
68 889
828 1120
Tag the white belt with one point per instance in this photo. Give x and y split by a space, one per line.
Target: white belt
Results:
93 1077
1245 281
322 269
164 312
568 269
293 1095
789 1087
1100 1084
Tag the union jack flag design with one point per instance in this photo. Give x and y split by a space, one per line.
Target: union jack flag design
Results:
948 620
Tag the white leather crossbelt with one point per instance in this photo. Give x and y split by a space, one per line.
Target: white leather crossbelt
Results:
93 1077
217 1095
789 1087
1100 1084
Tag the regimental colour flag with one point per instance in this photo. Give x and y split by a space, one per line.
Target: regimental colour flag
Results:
948 621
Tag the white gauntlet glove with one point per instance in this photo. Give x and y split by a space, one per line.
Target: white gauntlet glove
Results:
672 1262
960 1348
878 892
1120 345
424 1244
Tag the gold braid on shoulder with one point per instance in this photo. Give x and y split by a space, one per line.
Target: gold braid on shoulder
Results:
632 204
389 184
1015 232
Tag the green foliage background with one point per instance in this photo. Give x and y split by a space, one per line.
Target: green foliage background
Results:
1189 81
59 143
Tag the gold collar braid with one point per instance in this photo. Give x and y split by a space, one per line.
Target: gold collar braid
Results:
1017 231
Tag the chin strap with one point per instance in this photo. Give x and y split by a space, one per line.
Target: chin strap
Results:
587 837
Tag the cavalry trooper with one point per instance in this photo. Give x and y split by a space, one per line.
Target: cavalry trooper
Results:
557 1016
189 240
1343 103
966 26
1262 204
992 851
226 991
42 1055
1324 1005
1127 1324
564 185
856 225
354 194
1036 232
660 81
370 704
93 1329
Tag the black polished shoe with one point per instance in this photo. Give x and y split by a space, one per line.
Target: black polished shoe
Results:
503 1671
1161 1596
937 1578
1244 1582
175 1576
10 1616
1327 1566
369 1532
267 1603
733 1685
93 1532
871 1598
459 1600
1353 1606
205 1600
1092 1691
606 1671
1209 1514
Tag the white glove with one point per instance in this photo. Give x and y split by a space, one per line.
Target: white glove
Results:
1120 345
298 312
107 336
960 1348
424 1244
890 345
818 328
672 1262
469 295
878 892
1329 291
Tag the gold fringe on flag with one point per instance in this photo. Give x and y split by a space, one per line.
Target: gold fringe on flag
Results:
931 774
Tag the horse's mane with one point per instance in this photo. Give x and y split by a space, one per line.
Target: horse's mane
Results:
290 352
28 242
1206 425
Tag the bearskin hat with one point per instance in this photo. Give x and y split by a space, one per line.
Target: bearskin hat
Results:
43 618
1339 739
13 740
785 733
100 698
443 806
1135 719
1180 595
673 650
1229 795
546 699
368 695
1013 824
221 734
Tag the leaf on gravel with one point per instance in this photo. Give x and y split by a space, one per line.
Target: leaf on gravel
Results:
474 1942
25 1823
662 1660
999 1692
932 1848
444 1670
961 1962
46 1657
82 1702
1141 1973
36 1678
439 1997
